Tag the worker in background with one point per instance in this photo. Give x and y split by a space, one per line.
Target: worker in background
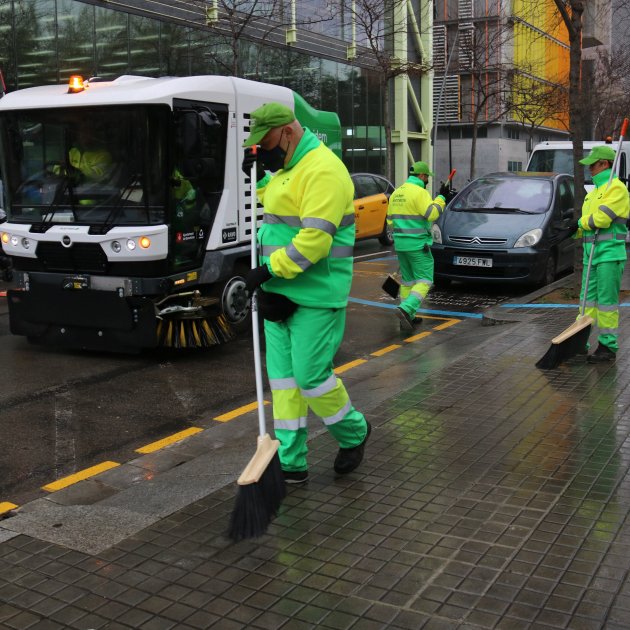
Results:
411 212
305 271
606 208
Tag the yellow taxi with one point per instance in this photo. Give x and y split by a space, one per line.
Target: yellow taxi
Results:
371 198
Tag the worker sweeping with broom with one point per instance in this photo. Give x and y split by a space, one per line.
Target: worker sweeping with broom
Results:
603 227
411 212
303 282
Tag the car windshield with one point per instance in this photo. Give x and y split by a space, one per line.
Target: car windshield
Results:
98 166
505 194
557 161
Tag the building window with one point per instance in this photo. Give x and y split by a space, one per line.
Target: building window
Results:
514 166
513 134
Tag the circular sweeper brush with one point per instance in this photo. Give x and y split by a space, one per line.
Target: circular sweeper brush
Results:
195 320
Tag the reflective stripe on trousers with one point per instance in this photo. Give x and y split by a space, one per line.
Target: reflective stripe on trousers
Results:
300 354
602 300
416 269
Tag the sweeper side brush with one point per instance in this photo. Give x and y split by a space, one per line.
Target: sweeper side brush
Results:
194 332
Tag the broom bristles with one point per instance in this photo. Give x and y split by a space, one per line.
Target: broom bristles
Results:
261 489
571 344
257 503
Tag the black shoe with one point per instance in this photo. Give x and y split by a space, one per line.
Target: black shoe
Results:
349 458
416 322
406 321
601 355
296 476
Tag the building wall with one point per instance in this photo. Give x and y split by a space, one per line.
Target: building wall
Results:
47 41
497 42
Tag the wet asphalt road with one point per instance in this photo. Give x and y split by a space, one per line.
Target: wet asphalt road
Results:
63 411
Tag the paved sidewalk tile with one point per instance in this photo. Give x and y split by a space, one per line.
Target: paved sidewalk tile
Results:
493 495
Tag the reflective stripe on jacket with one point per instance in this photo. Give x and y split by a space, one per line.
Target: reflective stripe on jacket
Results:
307 236
411 212
605 208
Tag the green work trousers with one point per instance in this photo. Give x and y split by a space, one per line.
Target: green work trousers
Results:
602 300
416 269
300 354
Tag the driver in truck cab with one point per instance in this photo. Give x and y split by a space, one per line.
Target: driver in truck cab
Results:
88 156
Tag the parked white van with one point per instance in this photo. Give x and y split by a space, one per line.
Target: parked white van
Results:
557 157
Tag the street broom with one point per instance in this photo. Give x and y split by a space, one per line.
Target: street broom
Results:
573 339
261 486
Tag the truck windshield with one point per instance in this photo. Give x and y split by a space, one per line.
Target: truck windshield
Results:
556 161
100 166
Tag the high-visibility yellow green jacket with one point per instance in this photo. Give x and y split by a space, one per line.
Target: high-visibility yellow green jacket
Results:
94 164
411 212
307 235
605 208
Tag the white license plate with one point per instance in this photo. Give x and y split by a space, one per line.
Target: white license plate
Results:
472 262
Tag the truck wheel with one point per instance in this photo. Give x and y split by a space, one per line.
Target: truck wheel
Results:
235 303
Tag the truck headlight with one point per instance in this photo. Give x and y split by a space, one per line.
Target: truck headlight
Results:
131 245
529 238
116 247
436 233
14 240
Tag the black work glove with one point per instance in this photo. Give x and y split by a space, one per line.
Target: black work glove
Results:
249 158
573 226
255 277
445 190
274 306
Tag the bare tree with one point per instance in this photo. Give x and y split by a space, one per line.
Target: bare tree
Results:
377 28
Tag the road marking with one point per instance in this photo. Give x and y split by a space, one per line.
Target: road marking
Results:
382 351
446 324
373 254
348 366
64 482
171 439
417 337
5 507
230 415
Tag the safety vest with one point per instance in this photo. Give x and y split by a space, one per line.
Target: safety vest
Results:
605 208
411 212
95 165
307 235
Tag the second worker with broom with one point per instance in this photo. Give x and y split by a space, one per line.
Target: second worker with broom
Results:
411 212
305 273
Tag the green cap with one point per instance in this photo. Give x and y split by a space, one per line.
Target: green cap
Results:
265 118
601 152
420 168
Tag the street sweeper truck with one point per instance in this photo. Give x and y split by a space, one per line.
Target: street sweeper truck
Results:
128 215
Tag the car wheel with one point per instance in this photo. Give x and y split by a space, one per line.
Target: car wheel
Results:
387 235
550 271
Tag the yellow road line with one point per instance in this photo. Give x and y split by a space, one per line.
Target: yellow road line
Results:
413 338
450 322
230 415
348 366
171 439
382 351
64 482
5 507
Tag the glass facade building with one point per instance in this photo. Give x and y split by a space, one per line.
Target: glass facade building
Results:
47 41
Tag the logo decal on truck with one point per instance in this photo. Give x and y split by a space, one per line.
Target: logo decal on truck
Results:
228 235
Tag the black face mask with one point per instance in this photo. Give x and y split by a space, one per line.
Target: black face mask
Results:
273 159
